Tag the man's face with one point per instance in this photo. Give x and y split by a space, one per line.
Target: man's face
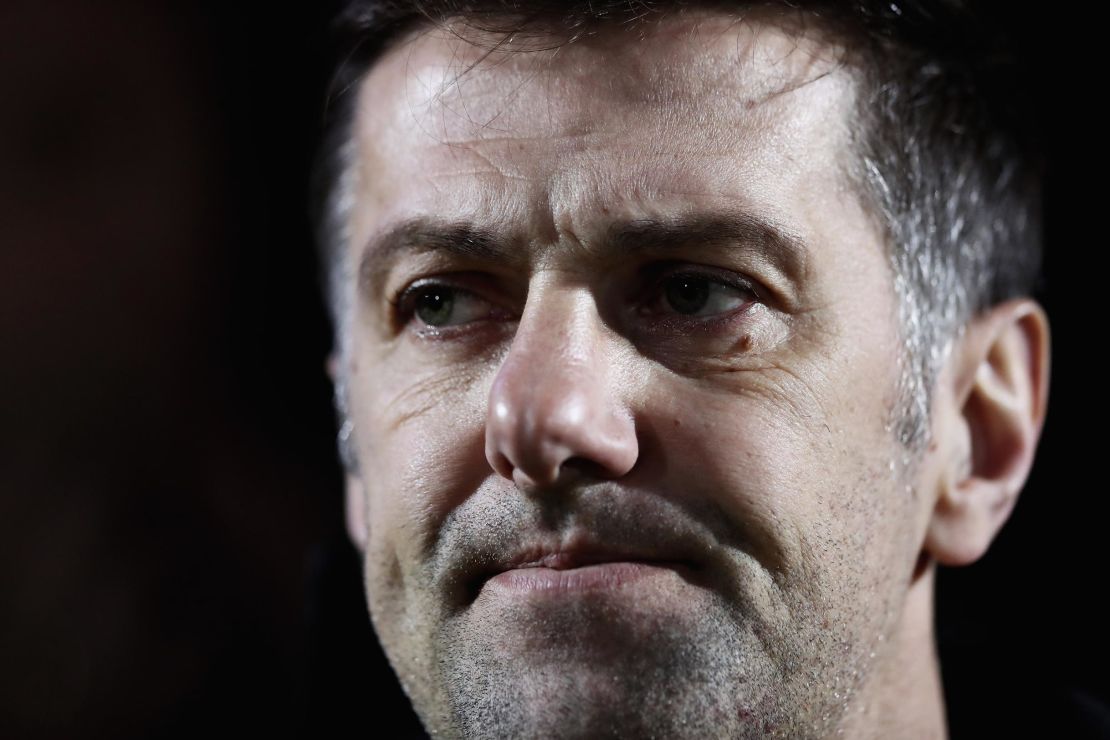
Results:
621 370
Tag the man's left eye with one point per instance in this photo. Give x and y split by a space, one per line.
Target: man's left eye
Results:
696 295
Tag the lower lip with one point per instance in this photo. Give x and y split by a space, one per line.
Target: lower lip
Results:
596 577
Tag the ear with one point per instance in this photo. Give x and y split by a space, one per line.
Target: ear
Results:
991 404
355 494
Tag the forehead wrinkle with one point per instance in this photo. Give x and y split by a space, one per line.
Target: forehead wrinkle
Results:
722 123
782 61
627 178
442 85
715 103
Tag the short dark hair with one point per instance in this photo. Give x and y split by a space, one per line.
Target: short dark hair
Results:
947 147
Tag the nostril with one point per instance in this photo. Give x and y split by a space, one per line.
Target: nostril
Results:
566 474
582 467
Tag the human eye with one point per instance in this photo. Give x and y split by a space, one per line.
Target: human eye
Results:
686 293
433 306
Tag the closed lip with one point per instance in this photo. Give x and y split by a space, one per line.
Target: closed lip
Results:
579 555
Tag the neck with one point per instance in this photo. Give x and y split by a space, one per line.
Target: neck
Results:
903 697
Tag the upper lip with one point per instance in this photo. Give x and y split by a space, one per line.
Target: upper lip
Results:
578 553
597 524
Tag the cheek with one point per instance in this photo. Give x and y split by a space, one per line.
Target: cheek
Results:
421 446
796 470
741 454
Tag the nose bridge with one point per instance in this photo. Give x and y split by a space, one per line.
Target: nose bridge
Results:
556 334
553 400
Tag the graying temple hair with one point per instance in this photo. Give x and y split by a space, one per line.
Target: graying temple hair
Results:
945 155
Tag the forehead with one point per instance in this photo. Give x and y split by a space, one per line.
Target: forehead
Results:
752 112
724 62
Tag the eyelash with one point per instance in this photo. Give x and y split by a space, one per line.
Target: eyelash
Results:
404 306
730 281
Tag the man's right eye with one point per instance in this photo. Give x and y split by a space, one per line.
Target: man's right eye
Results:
437 305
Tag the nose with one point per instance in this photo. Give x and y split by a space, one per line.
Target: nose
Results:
553 405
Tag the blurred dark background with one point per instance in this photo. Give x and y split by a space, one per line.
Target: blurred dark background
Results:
172 554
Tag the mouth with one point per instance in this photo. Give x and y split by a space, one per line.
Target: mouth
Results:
565 571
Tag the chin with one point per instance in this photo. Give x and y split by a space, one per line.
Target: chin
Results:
602 669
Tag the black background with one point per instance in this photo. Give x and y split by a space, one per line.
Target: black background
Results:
172 557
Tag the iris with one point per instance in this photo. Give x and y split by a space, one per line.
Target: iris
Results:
435 305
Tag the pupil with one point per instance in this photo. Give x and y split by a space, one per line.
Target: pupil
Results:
434 307
688 295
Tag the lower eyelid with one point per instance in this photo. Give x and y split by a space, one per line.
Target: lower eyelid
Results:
676 322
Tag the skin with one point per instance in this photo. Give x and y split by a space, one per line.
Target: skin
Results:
741 457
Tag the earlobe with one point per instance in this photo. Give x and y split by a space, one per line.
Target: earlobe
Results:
356 511
989 422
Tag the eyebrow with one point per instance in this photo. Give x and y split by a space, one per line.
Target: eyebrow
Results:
421 235
787 252
466 240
